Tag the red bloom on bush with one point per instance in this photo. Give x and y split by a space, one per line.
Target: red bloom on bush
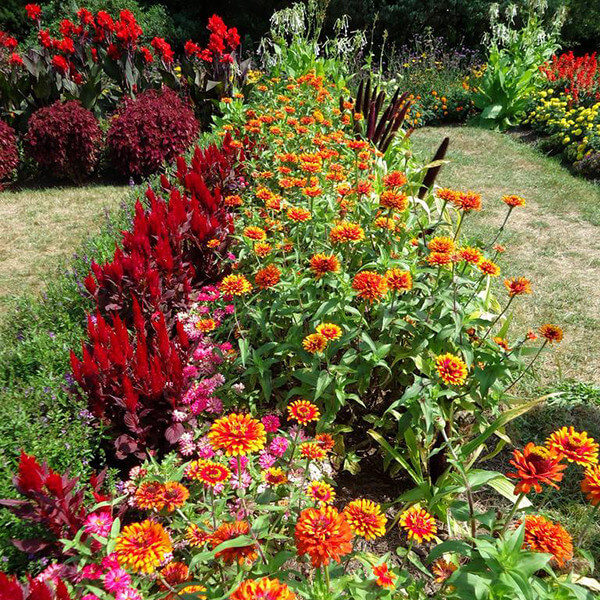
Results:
33 11
163 50
64 139
147 132
61 64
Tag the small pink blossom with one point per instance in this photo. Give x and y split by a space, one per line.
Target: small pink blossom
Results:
99 523
110 562
266 460
278 446
116 580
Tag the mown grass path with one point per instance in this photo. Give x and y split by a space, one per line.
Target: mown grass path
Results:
554 240
40 227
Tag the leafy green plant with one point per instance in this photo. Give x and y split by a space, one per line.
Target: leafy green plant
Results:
516 53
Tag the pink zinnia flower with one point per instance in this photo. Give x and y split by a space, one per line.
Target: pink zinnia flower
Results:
116 580
98 523
278 446
266 460
271 423
110 562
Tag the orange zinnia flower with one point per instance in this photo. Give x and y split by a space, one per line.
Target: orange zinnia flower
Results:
517 286
385 578
365 518
346 232
398 280
536 465
323 534
439 259
552 333
394 179
325 440
235 285
447 194
263 589
470 255
451 369
298 214
418 524
141 547
330 331
150 496
237 434
255 233
542 535
175 495
313 451
206 325
441 244
590 485
267 277
209 472
370 286
320 491
321 264
467 201
173 574
394 200
262 249
303 412
488 267
314 343
575 446
230 531
513 201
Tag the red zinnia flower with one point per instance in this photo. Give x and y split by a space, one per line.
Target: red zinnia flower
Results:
552 333
314 343
321 264
536 465
451 369
590 485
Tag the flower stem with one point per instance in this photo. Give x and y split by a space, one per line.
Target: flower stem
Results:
512 512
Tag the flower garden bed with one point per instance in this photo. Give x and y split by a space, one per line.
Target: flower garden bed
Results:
283 305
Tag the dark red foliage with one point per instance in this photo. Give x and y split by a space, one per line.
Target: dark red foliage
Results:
150 131
53 500
134 382
64 139
165 256
9 154
11 589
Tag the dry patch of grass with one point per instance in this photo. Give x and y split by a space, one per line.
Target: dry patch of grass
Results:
40 227
554 240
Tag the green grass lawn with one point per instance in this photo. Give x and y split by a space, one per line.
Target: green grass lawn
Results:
42 226
554 240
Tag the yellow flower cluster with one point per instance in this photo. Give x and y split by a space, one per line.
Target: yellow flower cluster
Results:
570 126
